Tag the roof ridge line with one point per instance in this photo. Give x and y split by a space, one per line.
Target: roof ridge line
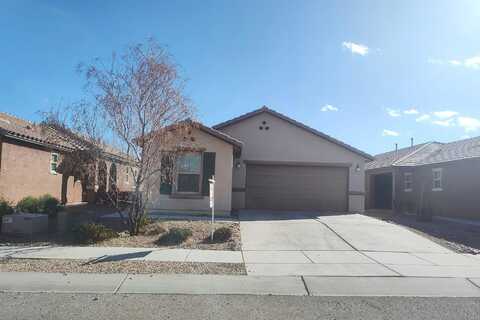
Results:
412 153
293 122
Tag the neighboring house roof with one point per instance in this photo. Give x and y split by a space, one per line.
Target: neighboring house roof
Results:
49 136
428 153
274 113
386 159
23 130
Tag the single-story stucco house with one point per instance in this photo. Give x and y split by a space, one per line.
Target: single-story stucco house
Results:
443 178
265 160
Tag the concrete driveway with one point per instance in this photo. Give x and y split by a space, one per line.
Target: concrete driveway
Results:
292 243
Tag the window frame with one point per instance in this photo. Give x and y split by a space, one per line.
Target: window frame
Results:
405 175
178 172
56 154
439 179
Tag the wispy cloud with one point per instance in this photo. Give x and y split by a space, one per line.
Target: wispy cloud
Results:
329 107
389 133
471 63
356 48
411 111
393 113
469 124
423 118
445 123
445 114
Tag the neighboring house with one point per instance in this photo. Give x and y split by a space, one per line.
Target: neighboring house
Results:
265 160
443 178
31 164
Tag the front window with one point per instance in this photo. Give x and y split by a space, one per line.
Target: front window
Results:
408 181
437 179
53 163
189 172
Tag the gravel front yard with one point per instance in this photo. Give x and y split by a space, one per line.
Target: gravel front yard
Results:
134 267
199 239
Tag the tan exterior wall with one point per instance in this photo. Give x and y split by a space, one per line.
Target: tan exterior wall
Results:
25 171
223 177
460 189
286 142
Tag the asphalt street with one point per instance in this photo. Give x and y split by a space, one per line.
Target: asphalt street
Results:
144 306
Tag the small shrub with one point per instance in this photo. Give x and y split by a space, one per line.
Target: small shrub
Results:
92 233
175 236
28 205
5 208
222 234
144 221
48 204
153 229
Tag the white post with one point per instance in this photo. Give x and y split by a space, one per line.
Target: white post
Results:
212 203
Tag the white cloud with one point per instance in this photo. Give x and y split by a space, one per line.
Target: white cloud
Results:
445 114
423 117
411 111
329 107
473 62
445 123
389 133
393 113
356 48
468 124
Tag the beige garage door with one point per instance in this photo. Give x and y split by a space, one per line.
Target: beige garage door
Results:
280 187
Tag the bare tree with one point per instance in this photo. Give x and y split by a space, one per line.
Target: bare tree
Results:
136 104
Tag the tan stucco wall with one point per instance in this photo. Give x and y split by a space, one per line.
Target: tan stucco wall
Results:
223 178
286 142
25 171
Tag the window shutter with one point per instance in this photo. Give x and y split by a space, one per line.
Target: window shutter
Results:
166 175
208 171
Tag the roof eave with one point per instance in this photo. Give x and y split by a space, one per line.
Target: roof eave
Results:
295 123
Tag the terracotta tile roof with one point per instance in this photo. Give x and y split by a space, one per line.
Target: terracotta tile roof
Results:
49 136
24 130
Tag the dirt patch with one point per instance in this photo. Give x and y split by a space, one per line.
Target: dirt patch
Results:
199 239
458 237
134 267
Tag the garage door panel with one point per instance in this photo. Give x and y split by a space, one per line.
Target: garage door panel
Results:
297 187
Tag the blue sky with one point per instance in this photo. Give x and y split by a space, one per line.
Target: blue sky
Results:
383 71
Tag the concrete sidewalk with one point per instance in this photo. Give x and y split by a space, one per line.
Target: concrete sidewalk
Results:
122 253
345 263
238 285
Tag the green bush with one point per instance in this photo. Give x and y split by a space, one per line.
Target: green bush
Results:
222 234
48 204
92 233
175 236
28 205
5 208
